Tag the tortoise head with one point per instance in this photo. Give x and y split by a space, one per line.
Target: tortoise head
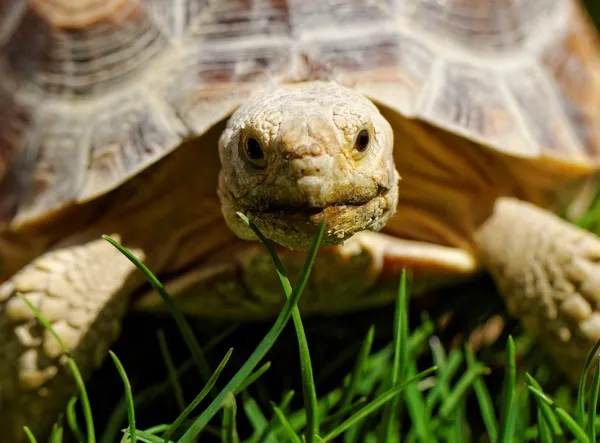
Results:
300 153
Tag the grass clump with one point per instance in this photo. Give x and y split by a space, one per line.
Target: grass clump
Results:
412 389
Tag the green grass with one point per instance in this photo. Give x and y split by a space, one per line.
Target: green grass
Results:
411 389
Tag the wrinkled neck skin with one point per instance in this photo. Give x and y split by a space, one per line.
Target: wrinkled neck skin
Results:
303 153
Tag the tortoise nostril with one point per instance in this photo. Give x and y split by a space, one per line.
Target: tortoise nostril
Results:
309 165
308 150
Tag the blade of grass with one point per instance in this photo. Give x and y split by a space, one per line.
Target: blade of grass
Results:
325 404
128 395
357 371
597 422
85 402
509 389
420 337
401 349
593 404
546 410
190 408
157 429
375 404
400 355
253 377
171 371
562 415
458 434
448 365
266 436
545 434
444 375
419 414
308 383
580 414
291 434
339 415
57 433
460 390
263 347
113 426
255 416
297 419
29 434
182 324
229 432
309 392
149 438
484 399
521 412
72 419
440 358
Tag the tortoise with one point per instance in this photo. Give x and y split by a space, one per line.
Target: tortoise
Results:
448 138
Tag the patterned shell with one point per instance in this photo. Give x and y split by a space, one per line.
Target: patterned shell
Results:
93 91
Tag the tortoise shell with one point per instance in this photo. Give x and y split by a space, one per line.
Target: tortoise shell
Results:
92 92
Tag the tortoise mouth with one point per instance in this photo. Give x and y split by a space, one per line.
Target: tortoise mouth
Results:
355 201
295 227
310 211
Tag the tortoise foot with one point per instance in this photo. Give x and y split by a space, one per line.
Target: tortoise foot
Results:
549 273
76 288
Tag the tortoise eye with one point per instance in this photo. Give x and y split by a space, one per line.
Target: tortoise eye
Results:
255 153
362 141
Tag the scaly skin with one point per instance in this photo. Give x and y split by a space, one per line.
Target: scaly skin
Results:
548 271
81 289
311 165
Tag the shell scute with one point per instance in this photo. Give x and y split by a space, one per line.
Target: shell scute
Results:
143 131
467 101
573 64
480 26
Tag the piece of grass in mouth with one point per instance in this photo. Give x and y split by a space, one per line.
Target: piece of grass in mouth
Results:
383 398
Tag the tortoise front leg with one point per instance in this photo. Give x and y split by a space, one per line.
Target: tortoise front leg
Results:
81 289
549 273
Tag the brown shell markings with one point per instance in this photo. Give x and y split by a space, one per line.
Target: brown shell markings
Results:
94 91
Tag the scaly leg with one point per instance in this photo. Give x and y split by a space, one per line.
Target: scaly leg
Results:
81 289
549 273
